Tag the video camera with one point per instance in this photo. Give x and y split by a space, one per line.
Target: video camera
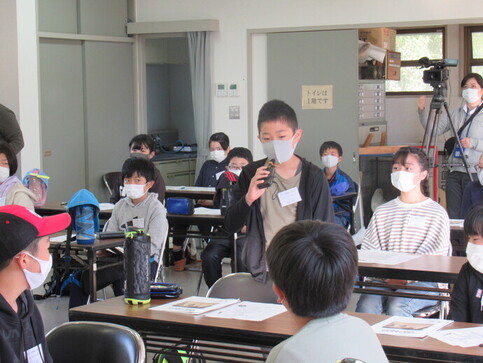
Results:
437 74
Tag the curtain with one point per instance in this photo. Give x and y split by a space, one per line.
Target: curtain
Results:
199 44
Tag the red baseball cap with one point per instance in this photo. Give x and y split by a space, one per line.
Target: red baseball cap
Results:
19 226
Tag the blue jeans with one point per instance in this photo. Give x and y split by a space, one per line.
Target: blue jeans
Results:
392 305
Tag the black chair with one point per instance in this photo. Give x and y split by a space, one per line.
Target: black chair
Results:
111 180
92 342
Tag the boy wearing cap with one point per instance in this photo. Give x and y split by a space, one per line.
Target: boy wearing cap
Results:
25 262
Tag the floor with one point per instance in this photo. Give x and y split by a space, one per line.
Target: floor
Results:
54 310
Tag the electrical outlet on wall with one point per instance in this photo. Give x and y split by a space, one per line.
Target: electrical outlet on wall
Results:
234 112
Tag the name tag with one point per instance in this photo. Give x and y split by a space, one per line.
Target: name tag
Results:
138 223
289 196
35 354
416 221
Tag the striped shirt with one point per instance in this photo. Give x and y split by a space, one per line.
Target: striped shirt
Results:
420 228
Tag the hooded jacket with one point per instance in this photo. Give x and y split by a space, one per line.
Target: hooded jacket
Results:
467 296
21 331
316 204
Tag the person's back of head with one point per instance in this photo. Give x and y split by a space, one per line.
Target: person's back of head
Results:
276 110
240 152
314 265
141 167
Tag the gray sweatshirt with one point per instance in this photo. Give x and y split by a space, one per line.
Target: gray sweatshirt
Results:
150 215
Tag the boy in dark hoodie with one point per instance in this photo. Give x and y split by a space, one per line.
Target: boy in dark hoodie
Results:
25 262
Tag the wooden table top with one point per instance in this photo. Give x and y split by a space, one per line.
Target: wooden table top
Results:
274 329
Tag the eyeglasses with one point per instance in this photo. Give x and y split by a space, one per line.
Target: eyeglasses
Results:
235 167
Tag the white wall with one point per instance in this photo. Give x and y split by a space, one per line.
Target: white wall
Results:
19 73
237 19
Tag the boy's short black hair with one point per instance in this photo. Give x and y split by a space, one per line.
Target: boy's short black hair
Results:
240 152
330 145
10 155
138 141
143 167
222 138
473 224
276 110
476 76
314 264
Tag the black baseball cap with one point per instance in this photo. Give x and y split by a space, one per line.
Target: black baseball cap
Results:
19 227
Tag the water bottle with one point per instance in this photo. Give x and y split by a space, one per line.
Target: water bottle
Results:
84 225
137 247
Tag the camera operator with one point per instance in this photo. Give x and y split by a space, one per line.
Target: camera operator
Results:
471 139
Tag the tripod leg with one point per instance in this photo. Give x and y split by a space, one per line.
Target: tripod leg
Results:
458 142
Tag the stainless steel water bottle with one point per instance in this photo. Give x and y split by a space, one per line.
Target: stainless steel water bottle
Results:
136 267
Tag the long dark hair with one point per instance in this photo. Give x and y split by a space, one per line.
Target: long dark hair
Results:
402 154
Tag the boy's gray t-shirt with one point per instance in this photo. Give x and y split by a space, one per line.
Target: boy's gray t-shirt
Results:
150 213
330 340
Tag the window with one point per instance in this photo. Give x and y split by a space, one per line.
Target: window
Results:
414 44
474 49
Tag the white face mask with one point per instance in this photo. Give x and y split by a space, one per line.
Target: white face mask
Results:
471 95
217 155
237 172
480 176
474 254
35 279
328 161
4 173
280 150
403 180
133 191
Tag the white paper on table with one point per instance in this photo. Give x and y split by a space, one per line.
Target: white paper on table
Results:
190 189
408 326
466 337
61 238
106 206
385 257
195 305
247 310
207 211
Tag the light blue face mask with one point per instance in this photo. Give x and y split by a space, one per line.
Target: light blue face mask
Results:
279 150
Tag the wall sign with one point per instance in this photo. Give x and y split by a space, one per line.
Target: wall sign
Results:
317 97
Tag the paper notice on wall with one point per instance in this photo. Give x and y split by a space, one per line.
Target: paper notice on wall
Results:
317 97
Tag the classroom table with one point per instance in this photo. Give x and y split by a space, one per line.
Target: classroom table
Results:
190 192
84 257
53 208
251 339
443 269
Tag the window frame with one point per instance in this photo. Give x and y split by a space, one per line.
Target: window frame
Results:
414 63
468 47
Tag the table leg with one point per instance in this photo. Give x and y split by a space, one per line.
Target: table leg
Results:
91 256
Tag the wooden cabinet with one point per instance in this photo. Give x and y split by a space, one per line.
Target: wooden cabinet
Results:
177 171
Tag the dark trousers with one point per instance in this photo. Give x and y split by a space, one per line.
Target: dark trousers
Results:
214 253
456 182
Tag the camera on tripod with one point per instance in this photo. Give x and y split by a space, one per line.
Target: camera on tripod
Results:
437 75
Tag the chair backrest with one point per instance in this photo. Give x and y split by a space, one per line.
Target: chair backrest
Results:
111 180
243 286
88 342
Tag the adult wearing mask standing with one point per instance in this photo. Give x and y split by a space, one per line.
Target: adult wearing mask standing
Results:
471 139
10 131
